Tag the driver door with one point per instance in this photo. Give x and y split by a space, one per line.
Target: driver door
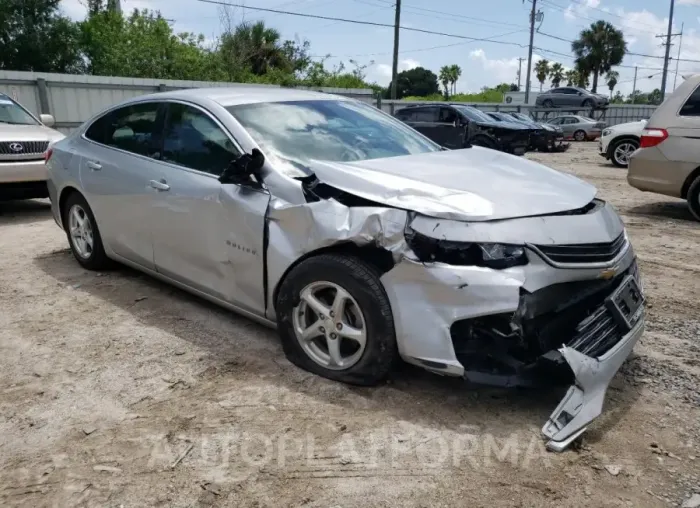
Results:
206 235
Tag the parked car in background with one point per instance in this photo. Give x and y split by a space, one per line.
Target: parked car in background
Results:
618 143
359 239
578 127
571 96
668 160
456 126
24 141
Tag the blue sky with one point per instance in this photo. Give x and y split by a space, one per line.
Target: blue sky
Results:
483 63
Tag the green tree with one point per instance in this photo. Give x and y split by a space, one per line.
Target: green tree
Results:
556 74
445 78
655 96
542 71
618 98
416 82
599 48
455 74
35 37
571 77
611 79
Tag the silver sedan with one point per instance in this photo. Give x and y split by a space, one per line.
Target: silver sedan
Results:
358 238
578 127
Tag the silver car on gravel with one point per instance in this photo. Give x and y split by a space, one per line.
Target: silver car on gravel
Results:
358 238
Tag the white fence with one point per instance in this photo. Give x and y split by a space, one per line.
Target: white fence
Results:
72 99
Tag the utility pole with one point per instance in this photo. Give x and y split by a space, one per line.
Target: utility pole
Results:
680 43
668 50
395 65
529 51
520 69
634 85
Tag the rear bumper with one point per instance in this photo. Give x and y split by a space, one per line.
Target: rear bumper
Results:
649 170
23 171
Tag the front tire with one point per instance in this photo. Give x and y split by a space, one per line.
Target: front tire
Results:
484 141
580 135
335 320
83 234
621 150
588 103
694 198
547 104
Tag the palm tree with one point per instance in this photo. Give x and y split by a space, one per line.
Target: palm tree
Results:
255 47
556 74
571 77
611 79
445 78
455 74
599 48
542 71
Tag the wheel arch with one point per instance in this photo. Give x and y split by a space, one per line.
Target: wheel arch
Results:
63 197
689 181
378 258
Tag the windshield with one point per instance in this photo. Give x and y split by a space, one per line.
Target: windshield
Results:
473 114
13 113
296 132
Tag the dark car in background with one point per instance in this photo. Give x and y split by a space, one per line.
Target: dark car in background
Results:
456 126
572 97
537 134
552 139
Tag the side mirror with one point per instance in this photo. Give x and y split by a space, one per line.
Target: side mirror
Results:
241 169
47 120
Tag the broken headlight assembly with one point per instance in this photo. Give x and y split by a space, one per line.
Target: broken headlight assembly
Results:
489 255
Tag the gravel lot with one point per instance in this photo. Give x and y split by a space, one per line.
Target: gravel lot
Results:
117 390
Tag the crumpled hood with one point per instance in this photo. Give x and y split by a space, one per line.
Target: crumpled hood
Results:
473 184
503 125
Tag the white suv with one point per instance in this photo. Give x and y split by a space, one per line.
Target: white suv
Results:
24 142
618 143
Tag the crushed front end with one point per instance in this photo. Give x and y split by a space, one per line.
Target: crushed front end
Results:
517 301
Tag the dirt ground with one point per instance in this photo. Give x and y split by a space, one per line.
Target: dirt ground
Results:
117 390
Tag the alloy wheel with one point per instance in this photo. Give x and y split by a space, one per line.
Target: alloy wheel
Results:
579 135
80 229
623 151
330 326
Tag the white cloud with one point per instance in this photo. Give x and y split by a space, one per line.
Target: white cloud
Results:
688 2
381 73
580 9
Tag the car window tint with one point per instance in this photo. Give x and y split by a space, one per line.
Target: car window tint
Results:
448 115
426 115
193 140
405 115
556 90
555 121
130 128
692 105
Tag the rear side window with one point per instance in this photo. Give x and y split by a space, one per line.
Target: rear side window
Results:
131 128
405 115
448 115
692 105
193 140
426 114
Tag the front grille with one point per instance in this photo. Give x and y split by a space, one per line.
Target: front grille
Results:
28 147
584 253
597 334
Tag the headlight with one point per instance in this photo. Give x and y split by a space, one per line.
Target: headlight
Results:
606 132
490 255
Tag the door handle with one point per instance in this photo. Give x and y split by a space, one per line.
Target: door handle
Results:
95 166
159 185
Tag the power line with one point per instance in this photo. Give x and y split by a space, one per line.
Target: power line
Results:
360 22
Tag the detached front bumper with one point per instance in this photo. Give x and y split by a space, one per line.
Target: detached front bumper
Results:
505 326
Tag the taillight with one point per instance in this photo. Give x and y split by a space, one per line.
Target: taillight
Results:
652 137
48 155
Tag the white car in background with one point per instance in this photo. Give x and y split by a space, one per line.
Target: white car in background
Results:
618 143
24 144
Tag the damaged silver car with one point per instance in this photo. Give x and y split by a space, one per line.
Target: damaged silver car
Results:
361 240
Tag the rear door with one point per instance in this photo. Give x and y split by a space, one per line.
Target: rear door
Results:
117 171
425 120
207 235
683 143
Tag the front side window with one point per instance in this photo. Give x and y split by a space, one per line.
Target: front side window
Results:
692 105
193 140
448 115
131 128
14 114
426 115
296 132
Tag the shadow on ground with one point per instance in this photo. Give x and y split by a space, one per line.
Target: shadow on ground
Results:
411 395
664 210
24 212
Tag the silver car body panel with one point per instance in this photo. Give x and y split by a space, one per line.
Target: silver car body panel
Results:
233 244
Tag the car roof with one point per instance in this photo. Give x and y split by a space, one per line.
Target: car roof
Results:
245 94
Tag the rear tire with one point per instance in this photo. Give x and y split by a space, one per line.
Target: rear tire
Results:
83 234
694 198
580 135
319 340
